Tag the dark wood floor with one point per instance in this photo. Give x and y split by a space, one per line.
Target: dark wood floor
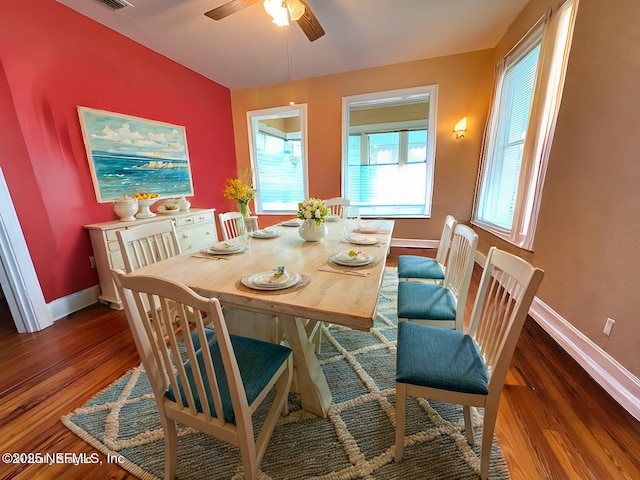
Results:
554 421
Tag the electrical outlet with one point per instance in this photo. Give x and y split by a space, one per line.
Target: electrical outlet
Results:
92 261
608 326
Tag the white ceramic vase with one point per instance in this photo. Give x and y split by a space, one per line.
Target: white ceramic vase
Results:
184 204
311 232
126 207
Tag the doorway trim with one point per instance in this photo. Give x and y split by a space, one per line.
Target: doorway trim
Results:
17 273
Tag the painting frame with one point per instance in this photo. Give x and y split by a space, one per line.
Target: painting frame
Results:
128 155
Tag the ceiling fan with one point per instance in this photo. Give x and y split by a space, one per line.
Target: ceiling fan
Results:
280 10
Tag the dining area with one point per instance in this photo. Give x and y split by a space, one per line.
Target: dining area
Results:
247 313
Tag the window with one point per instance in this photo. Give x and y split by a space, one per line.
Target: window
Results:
389 150
278 157
519 131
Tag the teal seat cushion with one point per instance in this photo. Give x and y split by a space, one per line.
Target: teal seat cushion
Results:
439 358
414 266
423 301
210 334
258 361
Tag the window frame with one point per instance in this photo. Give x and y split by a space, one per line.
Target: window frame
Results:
253 117
555 29
380 97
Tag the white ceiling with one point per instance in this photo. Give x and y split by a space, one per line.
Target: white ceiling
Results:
246 49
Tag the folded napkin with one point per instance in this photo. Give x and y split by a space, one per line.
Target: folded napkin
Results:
222 246
359 238
276 277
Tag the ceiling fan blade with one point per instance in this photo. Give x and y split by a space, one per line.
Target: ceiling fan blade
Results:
228 8
310 24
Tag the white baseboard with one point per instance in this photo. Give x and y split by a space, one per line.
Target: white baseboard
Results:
415 243
617 381
64 306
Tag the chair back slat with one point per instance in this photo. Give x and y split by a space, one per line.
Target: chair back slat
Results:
148 243
337 205
232 224
506 290
445 240
457 277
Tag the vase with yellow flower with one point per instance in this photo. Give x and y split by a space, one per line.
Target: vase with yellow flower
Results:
241 190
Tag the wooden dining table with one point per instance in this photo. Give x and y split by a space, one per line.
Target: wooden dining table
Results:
327 292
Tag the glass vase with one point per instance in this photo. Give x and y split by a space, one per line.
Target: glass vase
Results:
243 206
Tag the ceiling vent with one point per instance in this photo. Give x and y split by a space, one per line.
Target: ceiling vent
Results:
115 4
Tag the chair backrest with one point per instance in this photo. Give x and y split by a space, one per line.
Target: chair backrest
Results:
445 240
457 276
174 328
336 205
505 293
148 243
232 225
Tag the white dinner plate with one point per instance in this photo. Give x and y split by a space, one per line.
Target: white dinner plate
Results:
292 223
223 248
362 240
343 258
332 218
265 233
268 280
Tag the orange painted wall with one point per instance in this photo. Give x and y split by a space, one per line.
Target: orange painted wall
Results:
464 88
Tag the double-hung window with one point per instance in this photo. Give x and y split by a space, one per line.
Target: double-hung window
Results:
389 150
520 127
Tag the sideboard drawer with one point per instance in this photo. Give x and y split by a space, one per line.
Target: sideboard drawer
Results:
197 236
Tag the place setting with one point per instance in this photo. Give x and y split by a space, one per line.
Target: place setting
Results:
358 239
294 222
277 280
221 250
265 233
350 262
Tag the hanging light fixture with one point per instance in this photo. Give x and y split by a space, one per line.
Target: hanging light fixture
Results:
281 10
278 11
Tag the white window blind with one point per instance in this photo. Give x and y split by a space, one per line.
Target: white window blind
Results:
519 132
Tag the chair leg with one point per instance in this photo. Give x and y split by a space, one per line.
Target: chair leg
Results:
466 409
170 447
401 398
488 427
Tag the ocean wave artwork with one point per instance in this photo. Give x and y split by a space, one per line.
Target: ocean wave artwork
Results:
129 154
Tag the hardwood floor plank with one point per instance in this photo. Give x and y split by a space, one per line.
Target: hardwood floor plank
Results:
554 421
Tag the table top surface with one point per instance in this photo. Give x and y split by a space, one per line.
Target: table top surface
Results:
329 296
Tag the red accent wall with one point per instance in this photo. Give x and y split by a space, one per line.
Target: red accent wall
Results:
53 59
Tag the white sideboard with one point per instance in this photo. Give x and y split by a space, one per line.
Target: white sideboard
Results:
196 228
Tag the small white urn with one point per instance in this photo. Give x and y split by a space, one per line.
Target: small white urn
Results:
184 204
126 207
311 232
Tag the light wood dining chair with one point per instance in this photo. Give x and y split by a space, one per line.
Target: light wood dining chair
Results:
442 305
232 225
204 378
468 368
336 205
148 243
424 269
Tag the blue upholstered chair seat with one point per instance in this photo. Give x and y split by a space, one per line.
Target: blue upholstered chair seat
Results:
414 266
425 301
257 360
439 358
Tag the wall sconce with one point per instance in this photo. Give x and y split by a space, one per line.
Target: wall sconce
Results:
460 128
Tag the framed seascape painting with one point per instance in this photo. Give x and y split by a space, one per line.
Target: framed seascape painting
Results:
129 154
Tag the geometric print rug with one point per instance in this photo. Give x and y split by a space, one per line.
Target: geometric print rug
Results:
355 441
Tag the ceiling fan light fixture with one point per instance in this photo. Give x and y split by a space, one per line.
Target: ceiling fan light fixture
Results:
278 11
296 9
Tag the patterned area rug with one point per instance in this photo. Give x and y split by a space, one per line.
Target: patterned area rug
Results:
354 442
